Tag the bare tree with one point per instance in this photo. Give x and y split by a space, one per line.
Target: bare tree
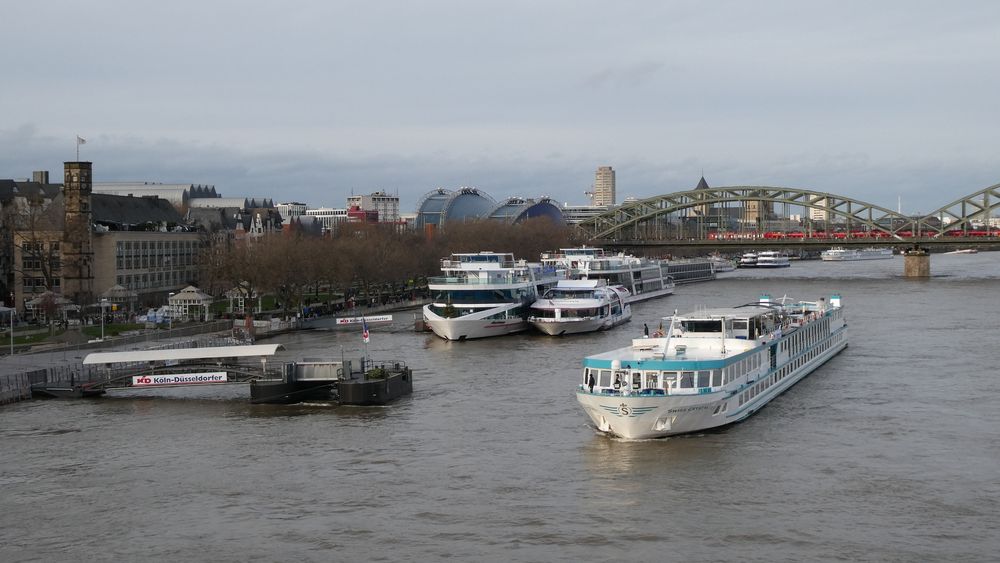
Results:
37 235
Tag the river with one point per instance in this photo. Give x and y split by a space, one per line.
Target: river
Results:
889 452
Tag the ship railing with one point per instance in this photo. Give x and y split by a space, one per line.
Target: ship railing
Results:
448 263
647 392
477 280
390 366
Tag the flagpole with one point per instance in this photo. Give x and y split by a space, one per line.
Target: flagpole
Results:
364 324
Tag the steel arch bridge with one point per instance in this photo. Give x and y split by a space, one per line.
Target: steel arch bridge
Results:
649 219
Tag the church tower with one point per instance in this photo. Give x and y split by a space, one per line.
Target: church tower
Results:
77 251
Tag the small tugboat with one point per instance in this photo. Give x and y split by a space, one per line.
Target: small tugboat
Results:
577 306
709 368
372 383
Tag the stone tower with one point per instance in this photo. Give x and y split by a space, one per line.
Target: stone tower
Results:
77 253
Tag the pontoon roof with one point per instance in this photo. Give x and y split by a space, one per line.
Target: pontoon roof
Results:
182 354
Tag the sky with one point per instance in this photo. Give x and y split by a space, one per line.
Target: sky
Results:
890 102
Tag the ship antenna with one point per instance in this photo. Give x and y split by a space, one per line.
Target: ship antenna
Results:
723 335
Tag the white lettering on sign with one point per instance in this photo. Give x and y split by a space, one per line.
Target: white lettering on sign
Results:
179 379
357 320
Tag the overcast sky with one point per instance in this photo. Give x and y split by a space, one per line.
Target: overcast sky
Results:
308 100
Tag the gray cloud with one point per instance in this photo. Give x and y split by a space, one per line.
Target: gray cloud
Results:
623 76
878 101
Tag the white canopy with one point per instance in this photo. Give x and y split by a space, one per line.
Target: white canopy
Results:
182 354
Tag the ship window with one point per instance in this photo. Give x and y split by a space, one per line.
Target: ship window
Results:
687 379
653 381
605 379
702 326
716 378
636 380
704 379
669 378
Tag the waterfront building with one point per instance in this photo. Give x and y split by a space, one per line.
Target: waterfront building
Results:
385 205
69 241
330 218
574 214
177 194
440 206
291 209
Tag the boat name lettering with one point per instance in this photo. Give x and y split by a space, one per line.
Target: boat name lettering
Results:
689 409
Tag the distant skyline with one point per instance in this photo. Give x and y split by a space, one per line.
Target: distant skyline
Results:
310 100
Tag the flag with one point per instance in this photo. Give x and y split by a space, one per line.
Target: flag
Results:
80 140
364 329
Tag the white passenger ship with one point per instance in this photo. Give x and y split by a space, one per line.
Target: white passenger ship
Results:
840 254
747 260
711 367
721 265
642 277
576 306
485 294
772 259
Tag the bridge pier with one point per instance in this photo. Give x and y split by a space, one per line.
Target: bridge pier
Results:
916 263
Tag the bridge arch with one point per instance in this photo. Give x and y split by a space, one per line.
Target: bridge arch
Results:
964 212
626 220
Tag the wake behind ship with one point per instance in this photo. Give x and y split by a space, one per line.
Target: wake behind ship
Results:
485 294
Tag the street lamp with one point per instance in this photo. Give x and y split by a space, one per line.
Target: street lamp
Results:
104 303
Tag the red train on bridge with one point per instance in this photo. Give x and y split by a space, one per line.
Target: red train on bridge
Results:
839 235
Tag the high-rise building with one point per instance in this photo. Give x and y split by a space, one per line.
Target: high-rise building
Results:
604 186
387 206
817 214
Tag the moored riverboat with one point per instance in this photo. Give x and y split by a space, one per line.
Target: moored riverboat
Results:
772 259
644 278
577 306
709 368
721 264
840 254
485 294
747 260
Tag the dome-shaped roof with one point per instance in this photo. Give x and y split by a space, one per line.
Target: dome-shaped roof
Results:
516 209
441 205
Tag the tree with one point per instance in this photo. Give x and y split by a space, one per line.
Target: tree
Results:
37 234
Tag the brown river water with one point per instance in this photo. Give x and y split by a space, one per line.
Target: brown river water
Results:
889 452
